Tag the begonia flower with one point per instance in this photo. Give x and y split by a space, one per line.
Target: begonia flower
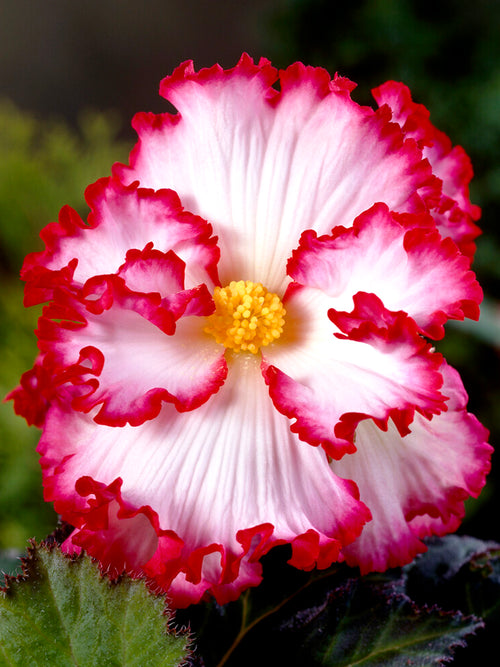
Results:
235 355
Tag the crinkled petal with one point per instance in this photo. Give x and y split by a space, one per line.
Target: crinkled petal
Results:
226 482
264 165
121 218
151 270
33 395
372 363
413 270
453 212
129 351
415 485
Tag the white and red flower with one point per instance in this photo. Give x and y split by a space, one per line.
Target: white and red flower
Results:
183 448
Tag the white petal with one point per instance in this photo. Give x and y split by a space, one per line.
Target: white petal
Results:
229 465
415 485
263 167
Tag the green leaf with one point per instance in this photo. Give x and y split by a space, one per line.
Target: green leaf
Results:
366 621
369 623
62 611
336 618
461 572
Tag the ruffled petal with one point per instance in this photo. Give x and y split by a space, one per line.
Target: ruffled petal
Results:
32 397
264 165
453 211
121 218
413 270
415 485
150 270
218 486
129 349
372 363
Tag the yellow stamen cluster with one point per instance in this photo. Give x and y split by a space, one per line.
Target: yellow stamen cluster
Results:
246 316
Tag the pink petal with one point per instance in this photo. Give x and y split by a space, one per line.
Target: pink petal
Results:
150 270
453 212
329 381
121 218
413 270
121 346
219 486
264 165
415 485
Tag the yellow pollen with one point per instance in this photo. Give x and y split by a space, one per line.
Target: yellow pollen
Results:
246 316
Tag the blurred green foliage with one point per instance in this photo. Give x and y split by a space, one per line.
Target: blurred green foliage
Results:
43 165
446 51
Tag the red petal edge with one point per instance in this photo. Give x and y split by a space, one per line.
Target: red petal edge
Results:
41 281
125 538
68 313
369 322
427 192
455 214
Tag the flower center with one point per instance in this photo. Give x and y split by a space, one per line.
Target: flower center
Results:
246 316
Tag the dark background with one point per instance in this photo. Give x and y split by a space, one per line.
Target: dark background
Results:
72 74
59 56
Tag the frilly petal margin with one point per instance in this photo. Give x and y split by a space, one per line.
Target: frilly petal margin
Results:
415 485
129 539
372 363
32 397
403 261
453 212
129 350
193 500
121 218
263 164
